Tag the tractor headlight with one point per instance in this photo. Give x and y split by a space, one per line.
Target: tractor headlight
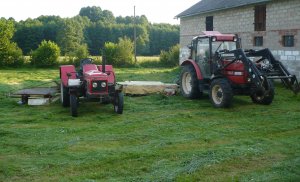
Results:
103 84
95 85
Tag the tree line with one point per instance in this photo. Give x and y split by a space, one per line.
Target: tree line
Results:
91 29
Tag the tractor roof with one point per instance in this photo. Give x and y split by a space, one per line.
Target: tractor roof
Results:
219 36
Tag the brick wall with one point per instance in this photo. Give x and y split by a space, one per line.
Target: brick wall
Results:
282 18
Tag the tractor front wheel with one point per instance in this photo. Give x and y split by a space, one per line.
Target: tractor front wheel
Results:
264 97
189 83
74 105
119 103
64 95
221 93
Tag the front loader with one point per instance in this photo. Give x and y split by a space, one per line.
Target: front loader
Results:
218 66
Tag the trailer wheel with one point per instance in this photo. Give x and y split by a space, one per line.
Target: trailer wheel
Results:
119 103
189 83
74 105
264 97
64 96
220 93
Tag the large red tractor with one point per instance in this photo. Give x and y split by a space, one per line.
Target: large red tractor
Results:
218 66
91 82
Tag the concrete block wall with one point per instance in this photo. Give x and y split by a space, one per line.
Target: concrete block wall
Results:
282 18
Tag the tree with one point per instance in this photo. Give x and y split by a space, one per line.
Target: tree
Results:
29 34
162 36
93 13
96 14
10 53
70 37
46 54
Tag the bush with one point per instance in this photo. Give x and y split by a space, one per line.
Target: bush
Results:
110 52
10 53
46 54
120 54
170 58
11 56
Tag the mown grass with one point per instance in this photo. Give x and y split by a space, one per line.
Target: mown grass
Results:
158 138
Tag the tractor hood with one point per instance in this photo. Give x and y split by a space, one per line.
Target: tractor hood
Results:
96 73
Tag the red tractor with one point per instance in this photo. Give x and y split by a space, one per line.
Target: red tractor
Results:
218 66
91 82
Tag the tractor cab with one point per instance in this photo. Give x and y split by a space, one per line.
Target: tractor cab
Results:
206 48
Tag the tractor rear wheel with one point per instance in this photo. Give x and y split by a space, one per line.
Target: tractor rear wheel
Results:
264 97
220 93
189 83
74 105
64 96
119 103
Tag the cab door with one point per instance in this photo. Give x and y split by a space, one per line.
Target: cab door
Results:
203 55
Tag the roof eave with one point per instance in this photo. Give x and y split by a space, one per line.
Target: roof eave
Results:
203 12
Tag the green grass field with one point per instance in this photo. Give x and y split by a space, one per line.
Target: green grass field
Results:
157 138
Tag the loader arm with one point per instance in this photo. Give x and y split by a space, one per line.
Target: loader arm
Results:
255 75
277 69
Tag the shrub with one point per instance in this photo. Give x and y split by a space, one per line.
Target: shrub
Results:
10 53
120 54
80 53
11 56
110 52
170 58
46 54
125 52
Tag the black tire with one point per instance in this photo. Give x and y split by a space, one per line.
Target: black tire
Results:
119 103
189 87
64 96
264 97
220 94
74 105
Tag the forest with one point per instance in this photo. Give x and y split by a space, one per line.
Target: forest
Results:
91 28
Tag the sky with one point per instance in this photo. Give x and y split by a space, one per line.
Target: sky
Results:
157 11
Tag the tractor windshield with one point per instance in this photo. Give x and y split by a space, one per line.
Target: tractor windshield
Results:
216 46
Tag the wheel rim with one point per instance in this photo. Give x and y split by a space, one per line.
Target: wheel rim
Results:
186 82
217 94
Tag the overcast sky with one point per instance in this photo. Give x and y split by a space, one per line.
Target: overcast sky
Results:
157 11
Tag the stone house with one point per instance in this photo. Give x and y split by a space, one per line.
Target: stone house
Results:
273 24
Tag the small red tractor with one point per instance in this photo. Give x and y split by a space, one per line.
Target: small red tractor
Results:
91 82
218 66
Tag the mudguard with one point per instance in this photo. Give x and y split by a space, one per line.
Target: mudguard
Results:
66 70
196 67
109 71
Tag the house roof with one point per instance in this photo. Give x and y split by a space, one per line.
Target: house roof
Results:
206 6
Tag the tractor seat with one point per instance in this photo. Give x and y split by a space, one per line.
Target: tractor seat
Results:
84 62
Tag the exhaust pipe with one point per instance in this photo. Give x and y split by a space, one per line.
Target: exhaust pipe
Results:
103 62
